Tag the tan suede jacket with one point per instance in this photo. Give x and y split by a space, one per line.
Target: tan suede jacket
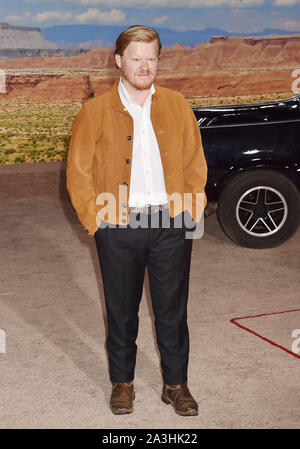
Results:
100 154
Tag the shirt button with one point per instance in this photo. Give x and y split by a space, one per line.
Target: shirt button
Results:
124 205
128 137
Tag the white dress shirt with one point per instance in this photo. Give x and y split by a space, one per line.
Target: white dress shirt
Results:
147 182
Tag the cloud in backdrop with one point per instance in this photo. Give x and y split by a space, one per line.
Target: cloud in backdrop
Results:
230 15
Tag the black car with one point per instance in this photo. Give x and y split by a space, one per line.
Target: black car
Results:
253 156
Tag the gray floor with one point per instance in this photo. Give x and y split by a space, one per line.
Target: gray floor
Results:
54 371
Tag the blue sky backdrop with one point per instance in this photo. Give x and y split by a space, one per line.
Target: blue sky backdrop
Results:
238 16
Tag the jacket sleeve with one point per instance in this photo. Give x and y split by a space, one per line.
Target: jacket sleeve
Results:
194 164
79 169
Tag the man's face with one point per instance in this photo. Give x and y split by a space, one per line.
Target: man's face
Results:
139 64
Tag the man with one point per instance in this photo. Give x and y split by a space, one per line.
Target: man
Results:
135 154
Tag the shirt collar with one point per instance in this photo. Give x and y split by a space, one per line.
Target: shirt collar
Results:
125 94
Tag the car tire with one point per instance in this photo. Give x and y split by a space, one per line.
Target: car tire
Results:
259 209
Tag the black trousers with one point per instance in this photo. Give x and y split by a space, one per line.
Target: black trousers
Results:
124 253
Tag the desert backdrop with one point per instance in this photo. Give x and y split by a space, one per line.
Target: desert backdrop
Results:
43 93
225 66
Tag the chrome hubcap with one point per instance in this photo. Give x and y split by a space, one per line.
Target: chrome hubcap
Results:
261 211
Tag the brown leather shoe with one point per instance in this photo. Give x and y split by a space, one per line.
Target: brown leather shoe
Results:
121 399
181 399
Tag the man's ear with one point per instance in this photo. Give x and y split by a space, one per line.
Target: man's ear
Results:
118 61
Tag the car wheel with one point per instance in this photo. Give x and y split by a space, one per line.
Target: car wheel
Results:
259 209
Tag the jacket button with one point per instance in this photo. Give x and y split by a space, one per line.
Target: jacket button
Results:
124 214
124 205
125 183
127 161
123 221
128 137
